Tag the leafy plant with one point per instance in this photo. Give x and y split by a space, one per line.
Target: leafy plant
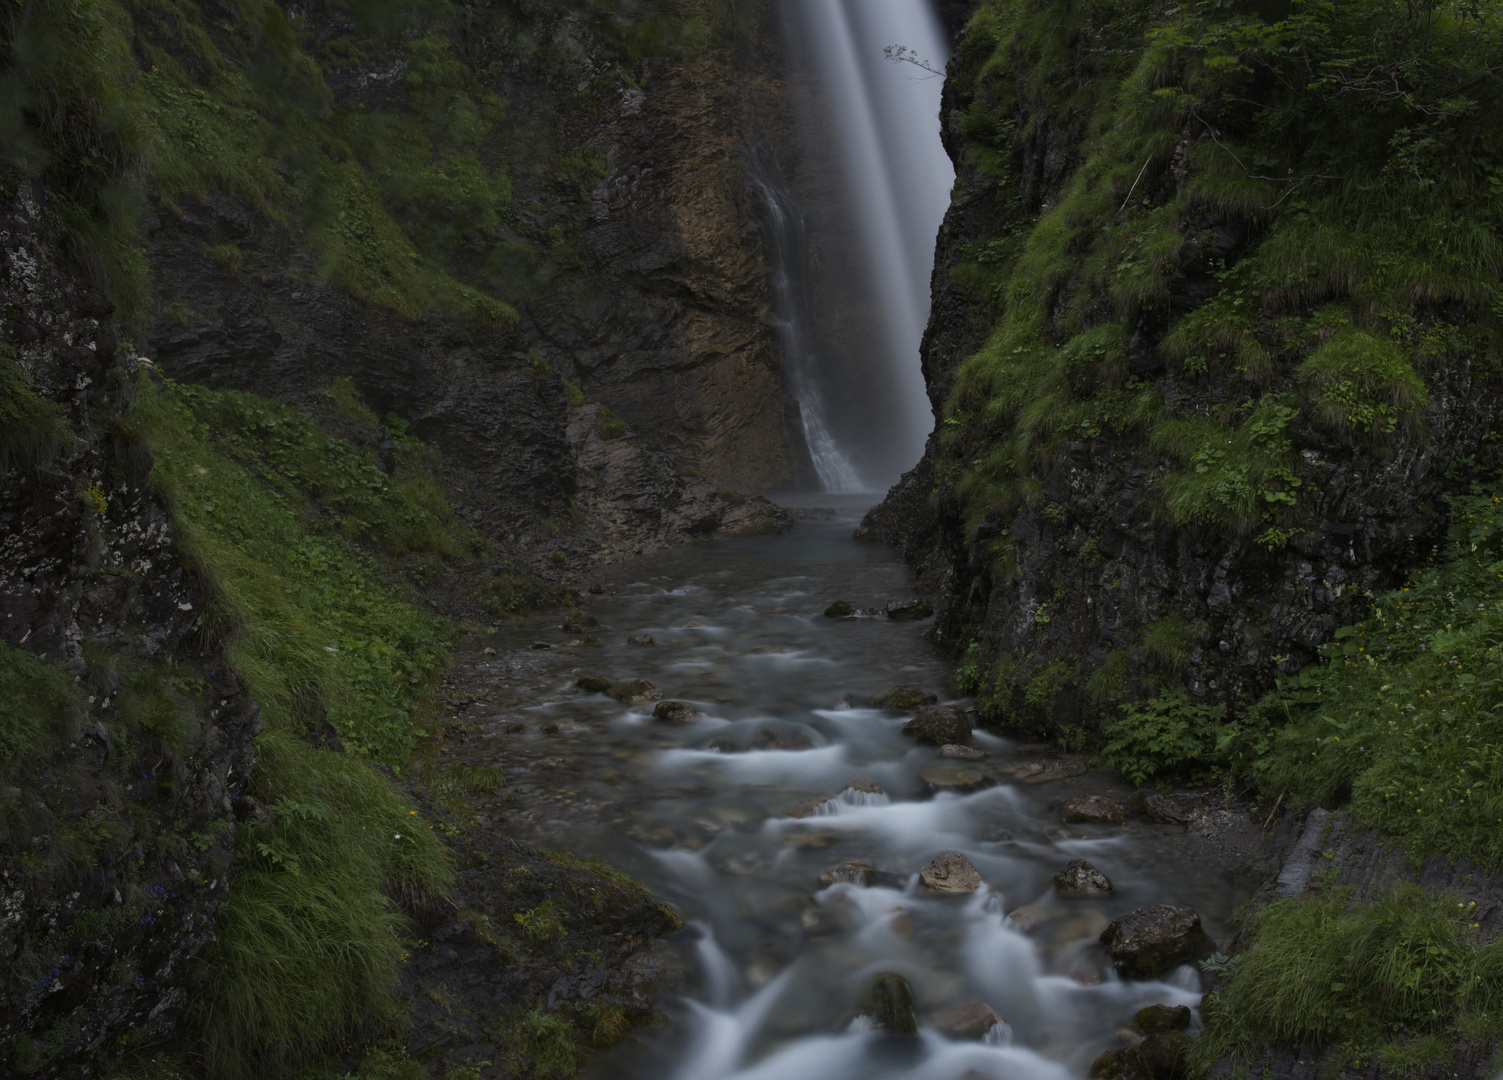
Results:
1163 738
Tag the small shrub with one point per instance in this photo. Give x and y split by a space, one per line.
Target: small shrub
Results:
1163 738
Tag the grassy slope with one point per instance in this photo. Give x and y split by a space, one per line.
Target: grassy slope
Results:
1371 268
1354 142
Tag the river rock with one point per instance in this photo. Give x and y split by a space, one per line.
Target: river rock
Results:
909 609
589 639
674 712
640 639
1153 1019
963 753
1151 940
487 651
767 739
1079 880
854 871
1167 1054
888 1000
950 872
634 692
1046 770
967 1020
577 622
694 624
809 807
939 725
1124 1063
954 777
902 698
595 684
839 610
1094 808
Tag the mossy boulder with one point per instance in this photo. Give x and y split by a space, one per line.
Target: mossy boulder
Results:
902 698
939 725
594 684
634 692
888 1000
674 712
839 610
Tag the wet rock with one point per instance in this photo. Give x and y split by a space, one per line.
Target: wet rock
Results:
594 684
674 712
902 698
799 740
590 639
888 1000
854 871
1080 880
839 610
640 639
1167 1054
1094 808
577 622
809 807
813 840
487 651
909 609
724 745
542 645
1151 940
550 728
866 785
963 753
514 727
967 1020
1046 770
1125 1063
767 739
950 872
939 725
694 624
955 777
634 692
1156 1018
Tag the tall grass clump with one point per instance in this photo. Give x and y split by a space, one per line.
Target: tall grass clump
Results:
274 512
1392 980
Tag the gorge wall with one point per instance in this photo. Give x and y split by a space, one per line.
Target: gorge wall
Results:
1191 412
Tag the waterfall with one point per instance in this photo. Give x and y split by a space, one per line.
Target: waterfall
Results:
880 120
794 323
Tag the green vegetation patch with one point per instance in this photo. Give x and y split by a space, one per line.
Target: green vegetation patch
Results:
1402 718
270 505
32 429
1392 981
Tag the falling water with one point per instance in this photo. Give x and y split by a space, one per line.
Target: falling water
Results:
794 322
896 178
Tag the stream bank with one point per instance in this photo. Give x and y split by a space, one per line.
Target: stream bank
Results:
768 972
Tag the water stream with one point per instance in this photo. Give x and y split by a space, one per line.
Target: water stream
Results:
700 812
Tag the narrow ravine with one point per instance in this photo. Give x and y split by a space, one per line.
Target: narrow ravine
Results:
701 811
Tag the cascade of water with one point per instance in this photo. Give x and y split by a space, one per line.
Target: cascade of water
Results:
794 322
896 179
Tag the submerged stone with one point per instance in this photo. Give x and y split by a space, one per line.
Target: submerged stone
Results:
634 692
674 712
888 1000
903 697
854 871
963 753
1094 808
1155 1018
954 777
640 639
809 807
595 684
950 872
1080 880
939 725
967 1020
909 609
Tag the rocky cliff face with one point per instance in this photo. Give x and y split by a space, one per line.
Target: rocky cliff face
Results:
651 297
126 736
1133 486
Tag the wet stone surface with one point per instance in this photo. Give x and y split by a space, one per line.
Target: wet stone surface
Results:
790 918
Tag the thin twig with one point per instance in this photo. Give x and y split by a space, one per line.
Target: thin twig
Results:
1275 810
1134 185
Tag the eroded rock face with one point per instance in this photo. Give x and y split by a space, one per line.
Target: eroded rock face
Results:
1152 940
93 589
950 872
939 725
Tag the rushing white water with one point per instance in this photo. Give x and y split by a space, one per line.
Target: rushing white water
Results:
897 178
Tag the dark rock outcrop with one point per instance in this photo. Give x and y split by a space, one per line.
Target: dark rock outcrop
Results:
939 725
1152 940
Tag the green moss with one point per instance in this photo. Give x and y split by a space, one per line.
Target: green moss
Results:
1363 383
1382 979
43 709
32 429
